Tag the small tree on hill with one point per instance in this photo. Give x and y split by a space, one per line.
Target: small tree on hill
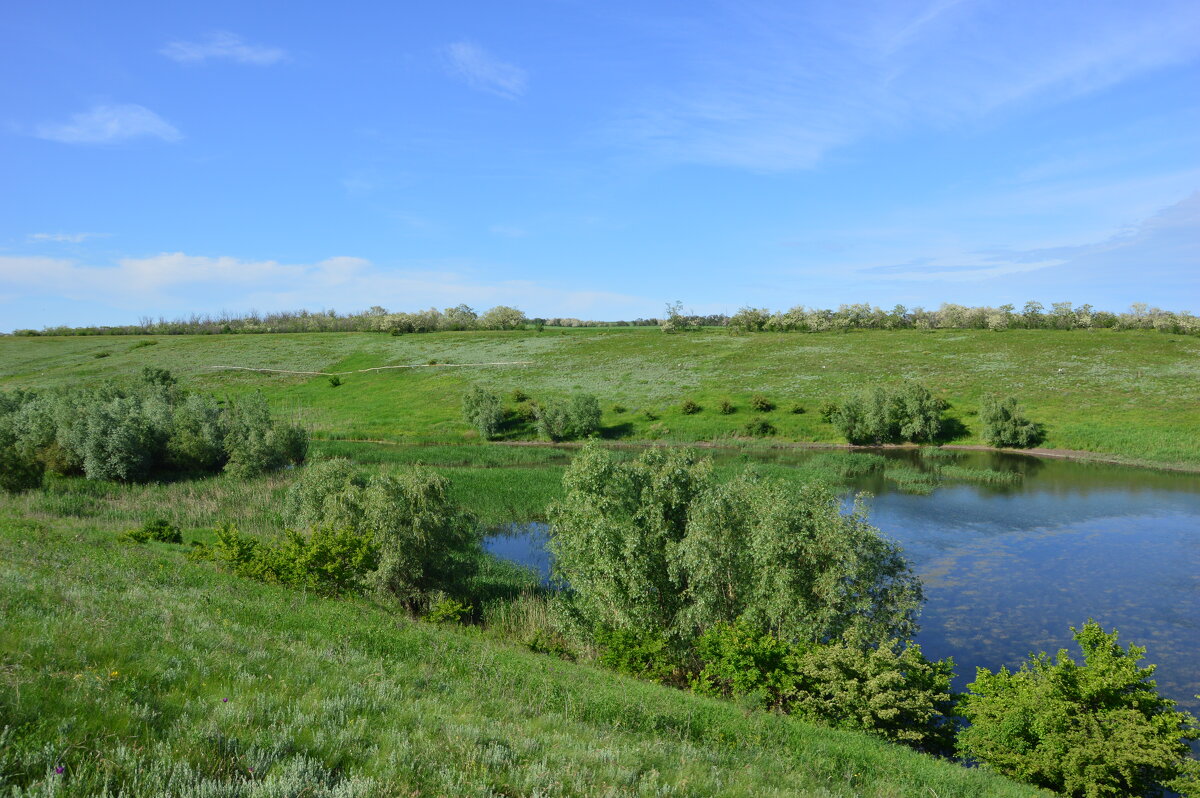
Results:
885 414
1004 424
657 547
502 317
483 410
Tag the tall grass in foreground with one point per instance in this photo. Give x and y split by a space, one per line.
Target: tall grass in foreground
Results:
130 670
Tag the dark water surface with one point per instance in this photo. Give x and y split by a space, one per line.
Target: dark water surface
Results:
1007 570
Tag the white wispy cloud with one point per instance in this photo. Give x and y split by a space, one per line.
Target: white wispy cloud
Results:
178 282
223 45
1161 252
66 238
771 87
105 124
480 70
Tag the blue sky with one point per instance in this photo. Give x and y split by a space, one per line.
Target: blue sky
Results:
595 159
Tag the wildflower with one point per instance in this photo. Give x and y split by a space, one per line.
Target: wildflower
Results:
224 700
59 770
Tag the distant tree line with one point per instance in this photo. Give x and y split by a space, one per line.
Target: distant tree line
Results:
1032 316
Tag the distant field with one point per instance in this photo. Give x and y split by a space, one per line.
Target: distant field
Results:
1132 395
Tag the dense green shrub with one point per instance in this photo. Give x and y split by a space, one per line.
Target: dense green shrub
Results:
828 411
798 409
1095 729
197 440
152 375
158 529
690 407
553 420
1004 424
447 610
726 407
20 469
638 653
330 560
585 415
888 690
425 542
574 418
656 545
138 432
890 414
483 410
759 427
255 443
761 403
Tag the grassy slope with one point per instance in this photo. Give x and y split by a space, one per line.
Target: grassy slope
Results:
1135 395
116 659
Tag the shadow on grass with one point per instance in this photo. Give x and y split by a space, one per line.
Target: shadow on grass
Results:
952 429
615 431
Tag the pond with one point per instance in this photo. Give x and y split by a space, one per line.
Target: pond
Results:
1008 568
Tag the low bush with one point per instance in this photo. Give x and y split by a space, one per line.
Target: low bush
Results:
890 414
577 417
330 561
137 432
690 407
552 643
828 411
20 468
759 427
19 471
1004 424
483 410
519 396
641 654
798 409
726 407
447 610
158 530
425 542
335 381
761 403
888 690
1099 728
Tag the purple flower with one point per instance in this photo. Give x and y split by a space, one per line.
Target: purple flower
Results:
59 770
224 700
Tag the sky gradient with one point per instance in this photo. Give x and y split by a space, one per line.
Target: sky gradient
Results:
595 159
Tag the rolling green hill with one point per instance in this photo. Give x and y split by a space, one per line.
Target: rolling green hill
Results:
139 672
1131 395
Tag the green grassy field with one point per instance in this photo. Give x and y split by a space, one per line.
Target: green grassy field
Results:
138 672
116 658
1131 395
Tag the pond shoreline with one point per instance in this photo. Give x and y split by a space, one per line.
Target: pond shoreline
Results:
744 444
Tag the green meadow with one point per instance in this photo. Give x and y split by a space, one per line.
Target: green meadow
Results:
1127 395
136 669
130 670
